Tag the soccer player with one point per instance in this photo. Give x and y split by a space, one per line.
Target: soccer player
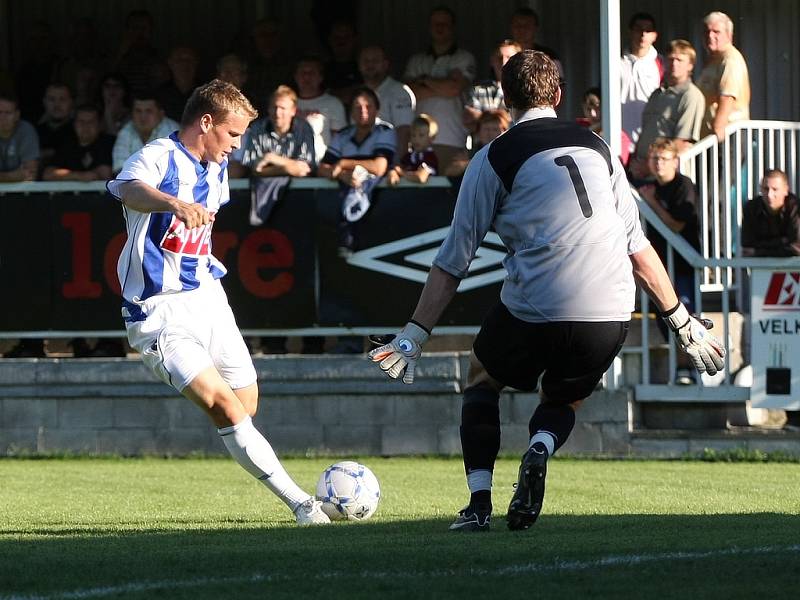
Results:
175 310
560 202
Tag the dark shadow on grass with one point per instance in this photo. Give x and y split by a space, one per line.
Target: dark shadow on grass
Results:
419 557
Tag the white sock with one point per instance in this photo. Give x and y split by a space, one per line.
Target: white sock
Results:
547 438
253 452
478 480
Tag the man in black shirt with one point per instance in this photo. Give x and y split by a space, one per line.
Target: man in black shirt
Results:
771 222
87 156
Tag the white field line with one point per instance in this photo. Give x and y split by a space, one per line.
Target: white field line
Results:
624 560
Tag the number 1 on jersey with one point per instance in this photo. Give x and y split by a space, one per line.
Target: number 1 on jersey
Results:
577 182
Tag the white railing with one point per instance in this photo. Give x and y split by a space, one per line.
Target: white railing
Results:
727 174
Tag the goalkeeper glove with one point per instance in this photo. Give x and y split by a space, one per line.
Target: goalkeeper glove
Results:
704 349
399 353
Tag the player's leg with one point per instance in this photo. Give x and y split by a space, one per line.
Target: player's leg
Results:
480 443
581 353
234 375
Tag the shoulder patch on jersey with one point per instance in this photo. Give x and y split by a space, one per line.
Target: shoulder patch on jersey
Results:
512 149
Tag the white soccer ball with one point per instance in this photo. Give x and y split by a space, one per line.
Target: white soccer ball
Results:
348 490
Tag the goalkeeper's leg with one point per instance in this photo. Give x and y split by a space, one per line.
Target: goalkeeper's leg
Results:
480 443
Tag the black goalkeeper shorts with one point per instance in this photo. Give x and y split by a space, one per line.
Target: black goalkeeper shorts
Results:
573 355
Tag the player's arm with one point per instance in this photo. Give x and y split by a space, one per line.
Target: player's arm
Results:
704 349
650 273
480 192
143 198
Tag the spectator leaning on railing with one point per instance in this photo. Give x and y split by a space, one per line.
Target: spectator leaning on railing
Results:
771 227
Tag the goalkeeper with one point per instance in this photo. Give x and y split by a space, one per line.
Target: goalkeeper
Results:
560 201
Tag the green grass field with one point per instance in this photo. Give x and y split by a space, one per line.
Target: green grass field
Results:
202 528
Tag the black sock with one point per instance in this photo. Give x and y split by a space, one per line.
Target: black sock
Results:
555 419
480 428
481 497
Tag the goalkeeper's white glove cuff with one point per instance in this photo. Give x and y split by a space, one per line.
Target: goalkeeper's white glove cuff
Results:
412 331
677 317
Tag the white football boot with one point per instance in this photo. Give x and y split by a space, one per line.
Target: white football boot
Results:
310 513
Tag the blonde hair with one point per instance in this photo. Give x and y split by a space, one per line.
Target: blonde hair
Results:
683 47
284 91
217 98
661 144
428 122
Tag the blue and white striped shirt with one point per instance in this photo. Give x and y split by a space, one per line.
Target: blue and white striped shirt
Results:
161 256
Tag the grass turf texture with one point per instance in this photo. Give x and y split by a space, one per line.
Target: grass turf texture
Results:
202 528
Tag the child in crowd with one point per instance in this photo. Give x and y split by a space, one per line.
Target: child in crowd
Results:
420 161
490 124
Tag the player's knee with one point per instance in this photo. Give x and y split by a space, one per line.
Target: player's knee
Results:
548 400
481 403
478 376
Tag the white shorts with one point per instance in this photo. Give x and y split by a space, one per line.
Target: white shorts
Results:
187 332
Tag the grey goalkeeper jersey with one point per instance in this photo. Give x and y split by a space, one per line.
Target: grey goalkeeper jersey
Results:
562 206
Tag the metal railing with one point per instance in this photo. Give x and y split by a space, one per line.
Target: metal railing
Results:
727 174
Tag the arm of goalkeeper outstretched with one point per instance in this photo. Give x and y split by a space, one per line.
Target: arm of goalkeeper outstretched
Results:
398 354
706 351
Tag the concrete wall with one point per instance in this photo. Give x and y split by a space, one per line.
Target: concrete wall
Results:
328 404
324 404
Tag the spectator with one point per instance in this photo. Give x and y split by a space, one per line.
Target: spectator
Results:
673 198
771 227
115 96
438 78
19 143
358 158
19 159
641 70
87 156
488 94
524 27
674 111
420 162
397 100
147 123
592 118
137 59
324 112
282 144
771 222
724 80
36 72
279 147
55 125
268 63
182 62
86 62
341 71
490 124
233 69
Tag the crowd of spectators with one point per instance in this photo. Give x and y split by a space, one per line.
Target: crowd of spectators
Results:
344 116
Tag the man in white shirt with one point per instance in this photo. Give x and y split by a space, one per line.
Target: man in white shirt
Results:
438 78
397 100
324 112
148 122
641 73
